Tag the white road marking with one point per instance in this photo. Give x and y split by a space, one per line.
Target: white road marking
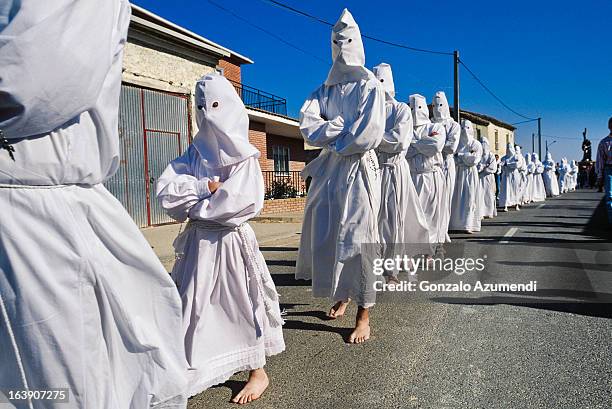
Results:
509 234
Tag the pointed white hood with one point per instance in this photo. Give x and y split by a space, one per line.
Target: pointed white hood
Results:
535 158
486 148
467 133
384 74
420 112
549 157
510 151
348 54
528 158
223 134
441 110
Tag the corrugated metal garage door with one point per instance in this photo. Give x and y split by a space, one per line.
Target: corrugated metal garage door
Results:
153 130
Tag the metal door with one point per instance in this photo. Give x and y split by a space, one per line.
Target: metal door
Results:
153 130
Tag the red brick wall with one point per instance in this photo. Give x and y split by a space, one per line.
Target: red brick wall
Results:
297 156
257 136
231 71
276 206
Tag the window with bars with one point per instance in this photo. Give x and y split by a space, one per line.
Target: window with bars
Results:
280 155
496 140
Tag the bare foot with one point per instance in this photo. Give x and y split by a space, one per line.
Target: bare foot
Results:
338 309
361 333
517 207
258 382
392 279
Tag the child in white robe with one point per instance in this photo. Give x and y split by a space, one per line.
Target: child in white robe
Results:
231 315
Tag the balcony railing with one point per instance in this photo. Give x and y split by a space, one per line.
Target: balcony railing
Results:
256 98
284 185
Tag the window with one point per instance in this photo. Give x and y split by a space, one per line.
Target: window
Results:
507 138
478 135
496 140
280 154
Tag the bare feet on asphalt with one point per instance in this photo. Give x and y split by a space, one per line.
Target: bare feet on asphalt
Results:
256 385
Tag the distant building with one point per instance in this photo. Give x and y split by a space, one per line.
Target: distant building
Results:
162 62
497 132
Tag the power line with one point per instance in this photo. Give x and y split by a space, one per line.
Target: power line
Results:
266 31
482 84
524 122
322 21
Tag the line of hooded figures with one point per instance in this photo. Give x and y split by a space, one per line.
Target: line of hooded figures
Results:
84 302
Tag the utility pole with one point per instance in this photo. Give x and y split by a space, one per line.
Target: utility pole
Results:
456 87
532 142
540 136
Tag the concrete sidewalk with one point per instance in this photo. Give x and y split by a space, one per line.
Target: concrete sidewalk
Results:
274 232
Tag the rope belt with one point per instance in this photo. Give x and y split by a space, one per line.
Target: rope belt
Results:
265 285
5 144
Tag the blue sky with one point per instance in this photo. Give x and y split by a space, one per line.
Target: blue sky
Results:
543 58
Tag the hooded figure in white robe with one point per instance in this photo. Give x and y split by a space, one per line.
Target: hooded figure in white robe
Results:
85 304
522 180
529 171
426 163
231 316
564 176
573 172
509 179
486 169
441 114
539 192
550 177
465 214
401 219
345 117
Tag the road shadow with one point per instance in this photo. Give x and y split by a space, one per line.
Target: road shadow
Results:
274 248
288 280
234 386
312 326
598 224
287 263
600 310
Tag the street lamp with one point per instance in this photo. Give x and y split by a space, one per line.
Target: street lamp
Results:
549 144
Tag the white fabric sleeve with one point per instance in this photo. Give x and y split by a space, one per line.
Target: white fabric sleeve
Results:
317 131
398 138
239 198
431 144
452 138
55 56
471 158
366 131
178 190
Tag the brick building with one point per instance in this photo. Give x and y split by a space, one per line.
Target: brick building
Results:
162 62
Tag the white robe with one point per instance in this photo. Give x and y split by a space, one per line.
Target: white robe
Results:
84 302
521 181
487 169
564 176
465 214
508 194
550 178
453 130
573 172
231 316
425 160
539 192
401 219
344 195
529 184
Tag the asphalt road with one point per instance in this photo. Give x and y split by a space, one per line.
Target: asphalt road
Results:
550 349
